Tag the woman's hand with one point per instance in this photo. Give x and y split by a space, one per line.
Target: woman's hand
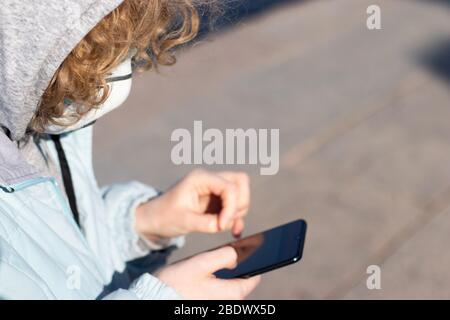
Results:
201 202
201 283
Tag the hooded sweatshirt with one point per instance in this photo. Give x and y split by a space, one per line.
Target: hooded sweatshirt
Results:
35 38
44 254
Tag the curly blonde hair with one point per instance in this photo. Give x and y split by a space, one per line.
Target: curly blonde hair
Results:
152 27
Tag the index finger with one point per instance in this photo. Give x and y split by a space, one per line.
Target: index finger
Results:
242 181
227 192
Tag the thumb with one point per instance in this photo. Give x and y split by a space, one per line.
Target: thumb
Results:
207 223
222 258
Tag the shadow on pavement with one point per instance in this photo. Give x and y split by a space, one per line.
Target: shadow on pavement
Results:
437 59
235 11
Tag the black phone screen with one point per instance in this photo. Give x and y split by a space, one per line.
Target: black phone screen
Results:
267 250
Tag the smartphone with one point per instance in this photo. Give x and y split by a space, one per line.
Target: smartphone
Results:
266 251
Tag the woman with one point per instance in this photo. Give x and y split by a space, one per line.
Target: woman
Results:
63 64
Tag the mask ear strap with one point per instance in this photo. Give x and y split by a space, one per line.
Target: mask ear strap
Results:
119 78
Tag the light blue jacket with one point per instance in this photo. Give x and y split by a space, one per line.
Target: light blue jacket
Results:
43 253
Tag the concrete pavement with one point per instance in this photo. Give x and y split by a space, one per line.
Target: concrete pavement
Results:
364 131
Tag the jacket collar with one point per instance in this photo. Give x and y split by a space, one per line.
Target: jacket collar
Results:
14 168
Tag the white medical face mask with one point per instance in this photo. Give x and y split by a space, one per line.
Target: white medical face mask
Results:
120 87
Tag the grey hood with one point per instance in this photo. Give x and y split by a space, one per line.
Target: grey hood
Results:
35 38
